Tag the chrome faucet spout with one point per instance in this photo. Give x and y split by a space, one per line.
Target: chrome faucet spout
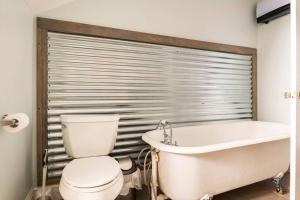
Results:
168 137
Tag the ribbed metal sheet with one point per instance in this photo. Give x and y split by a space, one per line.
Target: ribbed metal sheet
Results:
143 83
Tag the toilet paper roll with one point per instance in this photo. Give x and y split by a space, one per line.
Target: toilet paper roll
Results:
22 122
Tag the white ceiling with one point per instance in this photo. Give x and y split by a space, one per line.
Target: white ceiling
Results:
38 6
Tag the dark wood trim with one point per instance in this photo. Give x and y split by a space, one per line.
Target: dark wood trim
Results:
99 31
45 25
53 181
254 86
42 79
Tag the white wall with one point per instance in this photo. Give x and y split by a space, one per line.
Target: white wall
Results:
226 21
274 70
16 69
43 5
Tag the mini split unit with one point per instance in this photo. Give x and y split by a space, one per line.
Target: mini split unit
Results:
268 10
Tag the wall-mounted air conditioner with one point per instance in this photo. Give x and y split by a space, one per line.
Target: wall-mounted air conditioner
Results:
268 10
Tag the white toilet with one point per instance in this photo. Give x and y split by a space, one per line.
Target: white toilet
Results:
92 175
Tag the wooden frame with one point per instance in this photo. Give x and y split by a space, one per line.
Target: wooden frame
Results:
45 25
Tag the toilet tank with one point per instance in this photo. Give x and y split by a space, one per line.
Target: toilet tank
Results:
89 135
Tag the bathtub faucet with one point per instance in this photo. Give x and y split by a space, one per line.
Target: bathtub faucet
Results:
168 137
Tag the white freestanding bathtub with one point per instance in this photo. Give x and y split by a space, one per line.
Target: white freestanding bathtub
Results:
212 159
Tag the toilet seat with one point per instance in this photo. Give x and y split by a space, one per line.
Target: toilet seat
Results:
92 189
93 178
91 172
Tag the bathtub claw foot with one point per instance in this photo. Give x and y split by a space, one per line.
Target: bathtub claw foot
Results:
207 197
277 182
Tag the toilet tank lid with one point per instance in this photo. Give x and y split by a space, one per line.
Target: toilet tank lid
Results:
89 118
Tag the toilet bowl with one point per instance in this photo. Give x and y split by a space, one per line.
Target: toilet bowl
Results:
95 178
92 175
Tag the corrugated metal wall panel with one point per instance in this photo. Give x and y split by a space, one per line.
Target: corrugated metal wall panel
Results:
143 83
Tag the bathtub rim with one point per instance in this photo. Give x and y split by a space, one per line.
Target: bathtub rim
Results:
213 147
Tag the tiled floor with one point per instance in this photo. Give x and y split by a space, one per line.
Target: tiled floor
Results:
259 191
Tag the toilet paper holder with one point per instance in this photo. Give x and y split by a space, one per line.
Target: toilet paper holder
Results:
12 122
